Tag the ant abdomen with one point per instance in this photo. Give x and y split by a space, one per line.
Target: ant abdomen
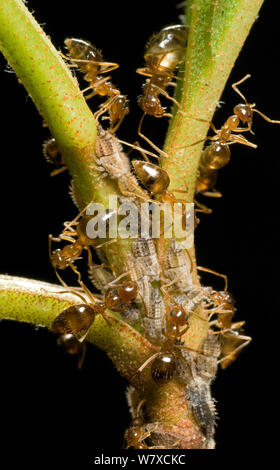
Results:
163 368
83 50
165 49
112 300
75 319
215 156
70 344
154 178
206 180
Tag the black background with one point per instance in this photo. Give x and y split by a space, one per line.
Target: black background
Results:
45 401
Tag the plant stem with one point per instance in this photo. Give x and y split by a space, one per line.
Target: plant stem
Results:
218 31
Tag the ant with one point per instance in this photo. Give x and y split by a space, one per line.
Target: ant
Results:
164 52
52 155
138 431
73 323
224 306
157 181
89 60
232 341
118 296
62 258
217 154
164 362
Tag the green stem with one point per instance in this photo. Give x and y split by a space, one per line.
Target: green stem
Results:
50 84
218 31
39 302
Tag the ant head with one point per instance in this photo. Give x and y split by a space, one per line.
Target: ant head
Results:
244 112
149 102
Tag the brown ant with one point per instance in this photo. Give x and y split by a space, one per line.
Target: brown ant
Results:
156 180
118 296
245 110
90 61
52 155
232 341
224 307
217 154
73 323
138 431
164 362
65 257
164 51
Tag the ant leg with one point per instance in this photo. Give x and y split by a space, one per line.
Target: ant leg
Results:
234 86
109 66
58 171
213 193
54 239
66 238
118 278
69 290
68 225
202 208
82 356
234 326
104 107
143 71
90 262
247 340
61 280
161 152
164 93
197 142
117 125
197 351
73 267
236 138
146 363
265 117
106 243
216 274
140 149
